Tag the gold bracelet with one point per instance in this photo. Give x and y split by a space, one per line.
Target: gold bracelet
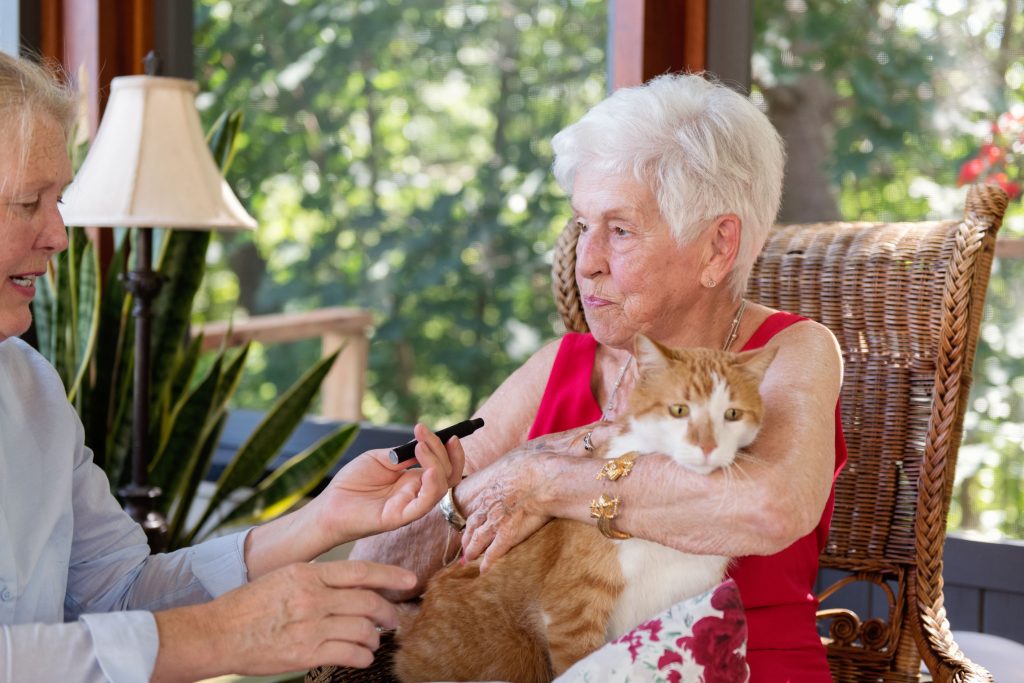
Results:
605 509
619 468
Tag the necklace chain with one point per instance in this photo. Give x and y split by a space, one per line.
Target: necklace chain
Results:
615 390
734 329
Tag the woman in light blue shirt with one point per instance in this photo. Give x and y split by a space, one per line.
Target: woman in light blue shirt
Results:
81 599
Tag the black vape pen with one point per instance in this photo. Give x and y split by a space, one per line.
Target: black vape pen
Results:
407 451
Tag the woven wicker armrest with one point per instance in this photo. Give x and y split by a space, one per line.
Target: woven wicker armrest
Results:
941 655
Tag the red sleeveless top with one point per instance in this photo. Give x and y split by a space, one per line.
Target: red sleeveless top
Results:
777 590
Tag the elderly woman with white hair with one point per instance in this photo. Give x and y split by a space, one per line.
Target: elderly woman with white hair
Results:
674 186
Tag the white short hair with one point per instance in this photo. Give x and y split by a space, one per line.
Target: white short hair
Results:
704 150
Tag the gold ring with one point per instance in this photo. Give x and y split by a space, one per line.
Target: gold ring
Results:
587 444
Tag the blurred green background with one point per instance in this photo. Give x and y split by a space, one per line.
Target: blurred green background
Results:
397 156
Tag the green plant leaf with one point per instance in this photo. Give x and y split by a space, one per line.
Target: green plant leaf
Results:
109 359
184 503
294 479
184 368
174 462
232 375
199 464
249 464
87 322
182 263
44 313
64 311
221 138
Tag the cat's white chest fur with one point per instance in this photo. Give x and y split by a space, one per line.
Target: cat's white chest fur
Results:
656 578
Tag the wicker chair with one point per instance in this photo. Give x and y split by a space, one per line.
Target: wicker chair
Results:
905 301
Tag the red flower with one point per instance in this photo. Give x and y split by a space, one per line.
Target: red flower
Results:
991 153
635 638
669 658
970 171
715 640
1011 188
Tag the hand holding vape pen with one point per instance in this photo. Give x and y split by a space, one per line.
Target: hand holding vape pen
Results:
407 451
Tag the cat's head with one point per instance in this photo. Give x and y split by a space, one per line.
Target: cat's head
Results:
699 406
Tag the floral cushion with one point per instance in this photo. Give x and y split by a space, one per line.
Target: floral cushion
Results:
702 639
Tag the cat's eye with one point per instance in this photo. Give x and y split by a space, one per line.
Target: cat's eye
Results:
679 410
733 414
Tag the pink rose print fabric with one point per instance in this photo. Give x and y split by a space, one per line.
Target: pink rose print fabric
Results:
700 640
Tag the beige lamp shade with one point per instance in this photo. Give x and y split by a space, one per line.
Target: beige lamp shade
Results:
150 166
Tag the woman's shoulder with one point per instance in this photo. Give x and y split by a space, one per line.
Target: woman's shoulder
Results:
25 371
773 327
808 354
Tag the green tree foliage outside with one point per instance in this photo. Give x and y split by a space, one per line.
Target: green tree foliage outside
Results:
882 103
398 158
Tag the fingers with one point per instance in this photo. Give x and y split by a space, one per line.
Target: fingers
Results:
457 457
601 433
359 574
478 534
430 452
360 606
449 458
496 550
341 653
416 498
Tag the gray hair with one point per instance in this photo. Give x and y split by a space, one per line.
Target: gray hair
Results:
28 90
702 148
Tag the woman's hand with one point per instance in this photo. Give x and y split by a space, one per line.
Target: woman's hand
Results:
504 502
370 495
296 617
505 508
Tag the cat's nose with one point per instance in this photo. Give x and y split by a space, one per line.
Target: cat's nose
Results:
708 448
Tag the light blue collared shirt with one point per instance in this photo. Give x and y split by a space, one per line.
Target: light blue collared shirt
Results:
68 553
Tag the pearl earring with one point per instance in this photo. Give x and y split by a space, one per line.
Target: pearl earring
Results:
711 283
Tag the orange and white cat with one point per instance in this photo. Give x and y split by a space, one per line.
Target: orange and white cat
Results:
567 590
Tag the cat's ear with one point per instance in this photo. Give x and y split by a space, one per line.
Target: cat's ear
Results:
649 353
757 361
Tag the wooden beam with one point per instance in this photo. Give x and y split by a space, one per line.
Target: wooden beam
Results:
1010 247
337 328
652 37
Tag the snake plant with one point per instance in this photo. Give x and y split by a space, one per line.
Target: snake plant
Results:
87 332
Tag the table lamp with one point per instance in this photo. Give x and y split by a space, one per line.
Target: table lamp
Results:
150 167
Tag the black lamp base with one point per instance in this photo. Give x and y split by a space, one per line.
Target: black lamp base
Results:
139 497
138 503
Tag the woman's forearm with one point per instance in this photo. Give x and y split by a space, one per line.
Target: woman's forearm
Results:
725 513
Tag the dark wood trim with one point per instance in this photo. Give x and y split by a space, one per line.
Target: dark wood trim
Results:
651 37
172 36
29 26
695 36
730 40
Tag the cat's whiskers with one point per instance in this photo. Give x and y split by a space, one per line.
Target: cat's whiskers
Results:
747 457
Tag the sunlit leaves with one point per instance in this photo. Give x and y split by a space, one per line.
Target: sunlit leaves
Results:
406 172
